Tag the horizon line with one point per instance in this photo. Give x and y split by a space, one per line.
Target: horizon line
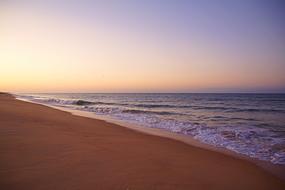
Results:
143 92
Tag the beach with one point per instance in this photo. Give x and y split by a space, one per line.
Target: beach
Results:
45 148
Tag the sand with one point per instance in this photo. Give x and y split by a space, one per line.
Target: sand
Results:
44 148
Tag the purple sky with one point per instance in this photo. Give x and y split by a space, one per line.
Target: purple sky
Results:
205 45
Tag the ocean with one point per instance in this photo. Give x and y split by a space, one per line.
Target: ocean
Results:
249 124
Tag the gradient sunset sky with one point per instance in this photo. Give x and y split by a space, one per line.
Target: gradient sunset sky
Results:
142 46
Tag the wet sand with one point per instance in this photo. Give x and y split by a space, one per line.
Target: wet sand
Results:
45 148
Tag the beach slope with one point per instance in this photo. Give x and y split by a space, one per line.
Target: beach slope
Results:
42 148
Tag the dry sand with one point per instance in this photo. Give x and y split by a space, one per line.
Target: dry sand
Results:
43 148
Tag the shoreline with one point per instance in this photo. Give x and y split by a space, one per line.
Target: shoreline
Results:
45 148
276 169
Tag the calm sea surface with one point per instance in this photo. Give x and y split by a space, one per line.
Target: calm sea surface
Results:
250 124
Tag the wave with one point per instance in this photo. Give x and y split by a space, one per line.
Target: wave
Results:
160 106
109 103
83 102
78 102
133 111
233 109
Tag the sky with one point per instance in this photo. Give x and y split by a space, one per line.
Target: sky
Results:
142 46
